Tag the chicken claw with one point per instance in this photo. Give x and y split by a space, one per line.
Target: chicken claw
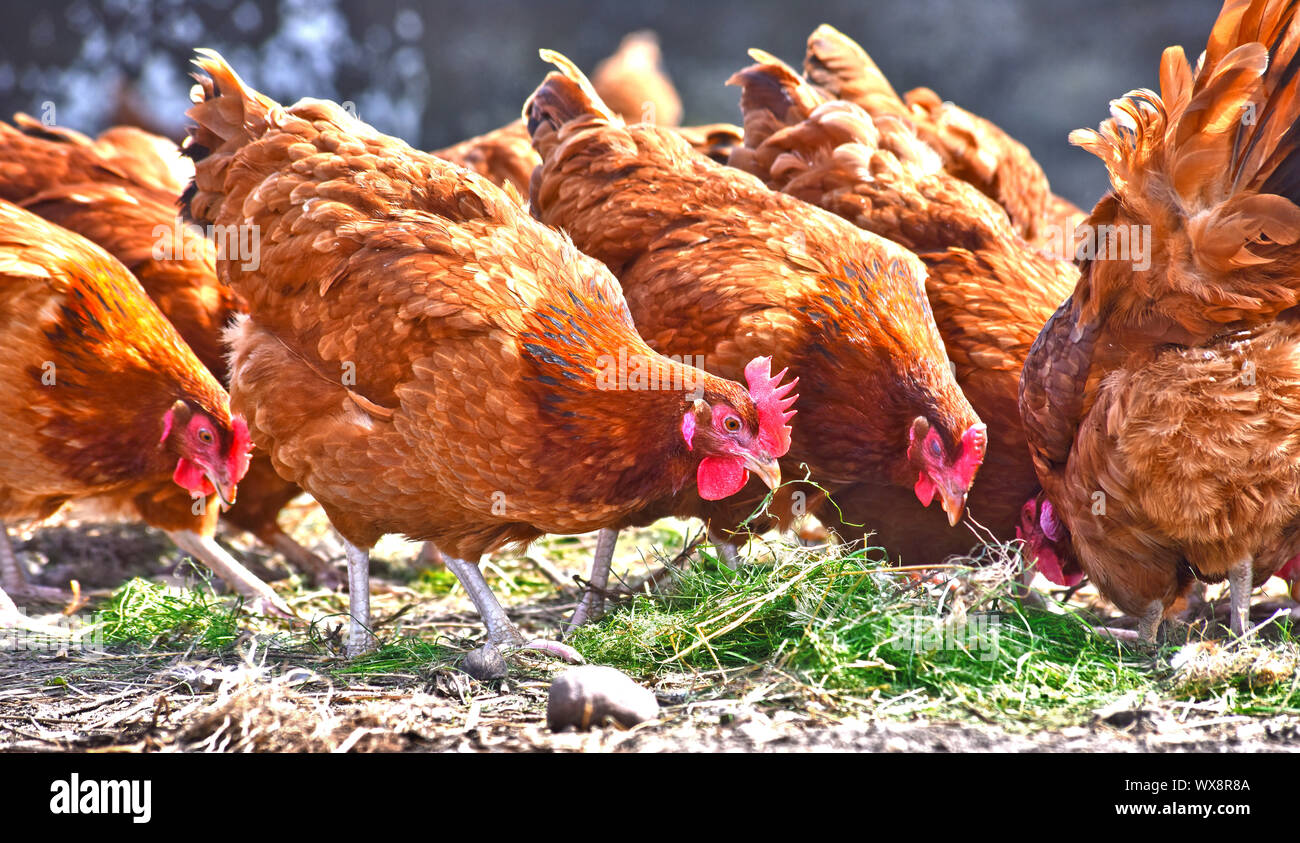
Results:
502 634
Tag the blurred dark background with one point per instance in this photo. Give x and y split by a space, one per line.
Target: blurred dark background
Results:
437 72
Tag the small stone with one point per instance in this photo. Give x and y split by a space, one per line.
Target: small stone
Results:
485 663
592 696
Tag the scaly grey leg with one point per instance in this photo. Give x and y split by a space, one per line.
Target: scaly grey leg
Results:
1241 581
501 632
360 638
592 604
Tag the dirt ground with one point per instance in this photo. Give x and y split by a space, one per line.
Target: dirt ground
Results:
262 696
171 702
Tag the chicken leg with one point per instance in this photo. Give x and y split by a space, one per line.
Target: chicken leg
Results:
1241 582
206 550
592 604
501 632
360 639
727 551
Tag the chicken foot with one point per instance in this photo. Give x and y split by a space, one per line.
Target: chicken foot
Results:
206 550
592 604
14 582
501 632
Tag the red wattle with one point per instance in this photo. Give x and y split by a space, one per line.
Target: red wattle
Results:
925 489
191 478
718 478
1049 565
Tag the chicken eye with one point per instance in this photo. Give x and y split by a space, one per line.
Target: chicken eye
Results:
935 449
205 436
731 424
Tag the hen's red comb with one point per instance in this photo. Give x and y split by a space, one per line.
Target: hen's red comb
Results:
770 397
240 449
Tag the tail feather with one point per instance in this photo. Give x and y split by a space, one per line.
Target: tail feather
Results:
839 65
772 96
1218 147
563 97
227 115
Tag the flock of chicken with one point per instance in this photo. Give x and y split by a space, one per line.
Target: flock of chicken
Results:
571 323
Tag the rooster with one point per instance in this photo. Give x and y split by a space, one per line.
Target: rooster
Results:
1162 400
990 291
120 192
426 359
971 148
716 265
104 401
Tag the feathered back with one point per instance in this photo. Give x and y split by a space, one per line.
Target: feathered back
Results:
36 157
772 96
973 149
800 141
1214 155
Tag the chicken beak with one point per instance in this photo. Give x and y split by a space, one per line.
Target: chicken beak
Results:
953 502
767 468
226 490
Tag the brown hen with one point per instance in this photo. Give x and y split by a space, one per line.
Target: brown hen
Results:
717 266
971 148
104 401
1162 400
990 291
426 359
120 191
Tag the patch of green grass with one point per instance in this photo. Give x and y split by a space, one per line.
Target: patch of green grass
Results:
1256 678
435 582
399 654
842 623
151 614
